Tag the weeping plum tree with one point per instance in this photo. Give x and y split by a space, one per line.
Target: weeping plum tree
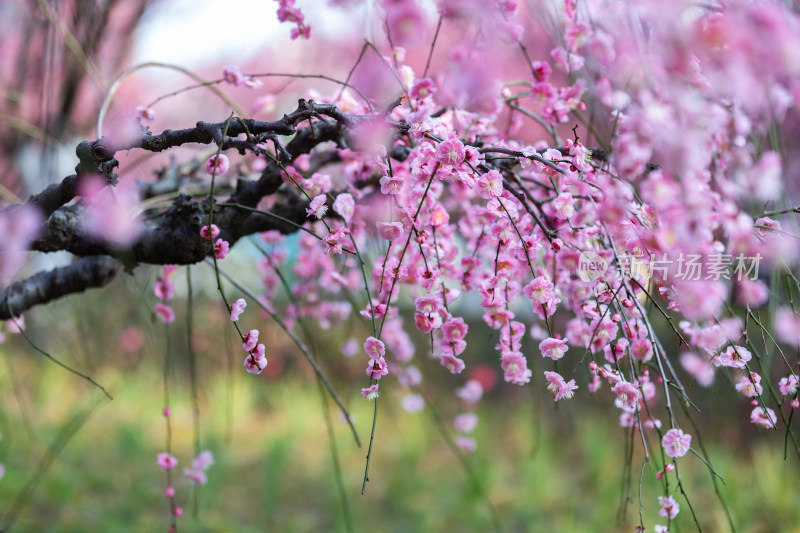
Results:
598 181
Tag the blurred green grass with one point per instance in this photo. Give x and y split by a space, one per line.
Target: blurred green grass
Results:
273 470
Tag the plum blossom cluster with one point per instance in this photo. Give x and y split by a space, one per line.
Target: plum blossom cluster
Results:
558 387
464 424
480 228
197 473
376 367
482 214
669 507
221 246
467 209
256 359
164 289
288 12
200 465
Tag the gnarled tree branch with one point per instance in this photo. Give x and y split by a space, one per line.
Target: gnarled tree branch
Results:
85 273
173 236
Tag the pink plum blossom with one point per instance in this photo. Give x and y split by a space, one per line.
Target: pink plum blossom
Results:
378 311
145 113
344 206
317 207
377 368
466 444
669 507
439 217
454 330
553 348
250 340
606 331
256 360
236 309
410 377
203 461
164 289
734 357
390 230
412 403
19 227
787 326
558 387
752 293
788 385
750 387
333 241
465 422
427 304
209 234
471 392
165 461
371 392
490 185
452 363
627 396
450 152
164 313
131 339
699 368
221 248
217 165
233 76
539 290
563 205
350 347
196 476
111 212
642 349
391 184
515 368
252 83
422 88
288 12
763 418
406 22
375 348
676 443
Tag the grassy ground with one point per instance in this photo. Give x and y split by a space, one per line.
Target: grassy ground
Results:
274 469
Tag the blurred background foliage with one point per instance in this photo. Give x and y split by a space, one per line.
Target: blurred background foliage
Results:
544 467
